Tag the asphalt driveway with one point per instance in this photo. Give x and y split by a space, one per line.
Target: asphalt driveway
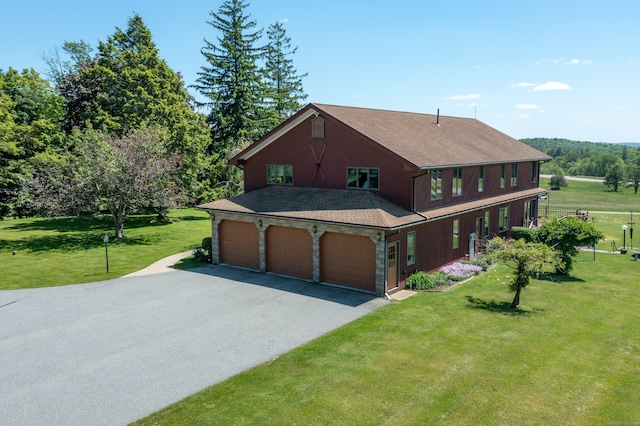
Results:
109 353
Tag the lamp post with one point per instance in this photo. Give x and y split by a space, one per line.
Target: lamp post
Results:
631 223
624 239
106 250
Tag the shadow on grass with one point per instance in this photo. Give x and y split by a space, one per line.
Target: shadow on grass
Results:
93 223
499 307
70 242
560 278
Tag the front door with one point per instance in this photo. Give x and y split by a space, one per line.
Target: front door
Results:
392 265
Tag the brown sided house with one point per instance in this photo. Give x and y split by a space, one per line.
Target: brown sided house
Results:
361 198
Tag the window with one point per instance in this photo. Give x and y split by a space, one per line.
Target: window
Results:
436 185
514 174
411 248
503 219
485 232
363 178
456 233
502 176
534 171
279 175
456 187
481 179
317 128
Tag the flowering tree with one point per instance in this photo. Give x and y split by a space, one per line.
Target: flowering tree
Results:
121 174
526 259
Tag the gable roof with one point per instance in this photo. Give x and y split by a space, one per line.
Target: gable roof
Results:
427 141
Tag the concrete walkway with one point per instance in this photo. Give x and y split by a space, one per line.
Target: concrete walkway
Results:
162 266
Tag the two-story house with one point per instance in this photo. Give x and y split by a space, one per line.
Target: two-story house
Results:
362 198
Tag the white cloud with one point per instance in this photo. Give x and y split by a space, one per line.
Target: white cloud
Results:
464 97
527 106
523 85
577 62
284 20
551 85
523 116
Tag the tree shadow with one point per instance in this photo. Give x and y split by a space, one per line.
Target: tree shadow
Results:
70 242
503 308
560 278
92 223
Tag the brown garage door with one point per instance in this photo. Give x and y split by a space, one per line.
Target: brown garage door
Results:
239 244
290 251
348 260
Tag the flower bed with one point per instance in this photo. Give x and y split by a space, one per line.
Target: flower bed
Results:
445 277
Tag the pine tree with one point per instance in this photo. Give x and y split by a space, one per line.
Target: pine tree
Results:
230 81
283 84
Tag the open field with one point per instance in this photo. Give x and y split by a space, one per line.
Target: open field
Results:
591 196
569 356
62 251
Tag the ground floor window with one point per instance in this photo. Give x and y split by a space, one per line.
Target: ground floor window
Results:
456 233
411 248
503 219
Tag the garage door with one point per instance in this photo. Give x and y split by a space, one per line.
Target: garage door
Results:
239 244
290 251
348 260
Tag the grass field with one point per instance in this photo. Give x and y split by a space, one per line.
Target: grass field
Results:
591 196
569 356
60 251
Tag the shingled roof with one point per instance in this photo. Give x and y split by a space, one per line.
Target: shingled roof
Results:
429 141
342 206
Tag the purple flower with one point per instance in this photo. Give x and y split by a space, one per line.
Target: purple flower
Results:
459 271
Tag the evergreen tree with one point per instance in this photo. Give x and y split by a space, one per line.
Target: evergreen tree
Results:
283 85
230 81
128 86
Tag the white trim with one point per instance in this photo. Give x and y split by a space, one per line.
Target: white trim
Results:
278 134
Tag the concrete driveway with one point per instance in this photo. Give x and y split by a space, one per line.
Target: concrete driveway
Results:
112 352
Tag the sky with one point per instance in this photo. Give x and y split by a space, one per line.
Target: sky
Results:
556 69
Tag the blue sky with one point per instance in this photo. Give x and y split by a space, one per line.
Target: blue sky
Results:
564 68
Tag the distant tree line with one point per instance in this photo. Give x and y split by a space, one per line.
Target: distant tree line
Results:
617 164
114 127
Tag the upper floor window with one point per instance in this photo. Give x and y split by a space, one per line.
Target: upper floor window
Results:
317 127
534 171
502 176
514 174
411 248
436 185
363 178
456 233
456 187
481 179
503 219
279 175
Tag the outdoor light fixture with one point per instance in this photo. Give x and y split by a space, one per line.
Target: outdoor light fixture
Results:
624 237
260 223
106 249
314 228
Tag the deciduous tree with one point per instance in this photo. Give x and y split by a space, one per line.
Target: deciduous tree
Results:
567 236
120 173
615 175
525 259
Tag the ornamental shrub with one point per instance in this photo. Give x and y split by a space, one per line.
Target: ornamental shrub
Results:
523 233
420 281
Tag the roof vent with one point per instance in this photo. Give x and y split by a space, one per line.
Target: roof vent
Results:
438 118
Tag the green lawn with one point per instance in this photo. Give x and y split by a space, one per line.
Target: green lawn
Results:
569 356
60 251
591 196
